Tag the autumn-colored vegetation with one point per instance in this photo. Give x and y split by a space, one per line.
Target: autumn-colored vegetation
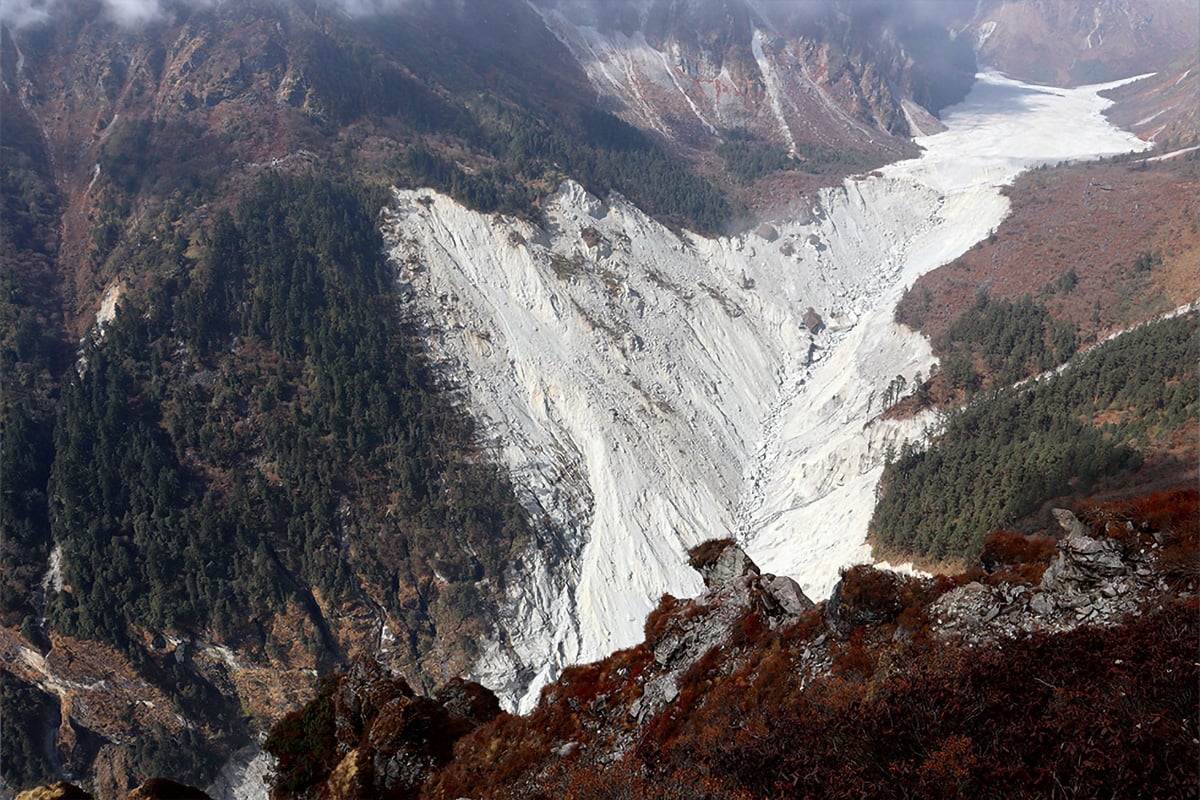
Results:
862 698
1101 246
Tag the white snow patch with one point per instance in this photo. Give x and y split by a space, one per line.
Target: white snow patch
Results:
656 390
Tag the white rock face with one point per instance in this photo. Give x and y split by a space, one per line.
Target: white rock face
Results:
246 776
649 390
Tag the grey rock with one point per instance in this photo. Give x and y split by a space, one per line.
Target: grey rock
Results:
566 749
732 563
655 695
787 593
1069 522
1042 604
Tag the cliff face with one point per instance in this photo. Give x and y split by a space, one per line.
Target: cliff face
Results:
839 77
747 690
1085 41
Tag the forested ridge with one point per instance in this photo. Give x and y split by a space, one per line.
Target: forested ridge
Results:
996 341
999 457
260 435
208 450
33 354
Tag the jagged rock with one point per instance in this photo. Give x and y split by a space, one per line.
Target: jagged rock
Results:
469 701
813 321
655 695
1042 604
391 740
1084 560
1090 581
55 791
788 594
864 596
719 561
1070 523
685 632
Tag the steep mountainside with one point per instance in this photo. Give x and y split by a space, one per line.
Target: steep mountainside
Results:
1073 42
435 333
978 684
643 387
839 87
1093 41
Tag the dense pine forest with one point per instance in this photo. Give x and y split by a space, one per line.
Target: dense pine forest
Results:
258 435
997 459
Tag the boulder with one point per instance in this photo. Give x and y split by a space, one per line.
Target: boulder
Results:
864 596
788 594
1070 523
720 561
469 701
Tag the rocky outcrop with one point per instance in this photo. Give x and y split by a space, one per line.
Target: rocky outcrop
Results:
1090 581
751 658
368 734
864 596
737 597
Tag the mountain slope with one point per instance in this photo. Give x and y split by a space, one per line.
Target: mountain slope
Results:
646 389
838 89
979 683
257 471
1085 41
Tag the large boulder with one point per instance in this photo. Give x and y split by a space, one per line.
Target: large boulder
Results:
864 596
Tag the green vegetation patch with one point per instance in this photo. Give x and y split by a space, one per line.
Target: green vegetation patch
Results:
530 154
1003 455
748 160
261 432
33 352
997 342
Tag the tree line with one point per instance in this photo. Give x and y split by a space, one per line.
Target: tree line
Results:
998 458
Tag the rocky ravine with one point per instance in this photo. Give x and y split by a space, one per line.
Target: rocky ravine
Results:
648 389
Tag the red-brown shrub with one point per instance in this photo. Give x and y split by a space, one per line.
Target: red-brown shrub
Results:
705 553
1022 557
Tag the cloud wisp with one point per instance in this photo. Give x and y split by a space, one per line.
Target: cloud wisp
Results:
19 14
